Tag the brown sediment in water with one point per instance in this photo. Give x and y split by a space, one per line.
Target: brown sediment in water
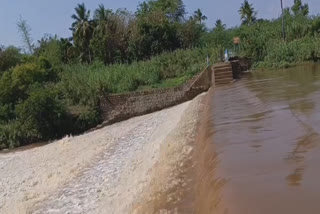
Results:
186 184
266 135
256 150
170 190
208 198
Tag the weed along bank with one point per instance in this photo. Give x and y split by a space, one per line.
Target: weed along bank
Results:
120 107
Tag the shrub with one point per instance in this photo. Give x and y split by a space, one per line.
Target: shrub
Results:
10 135
84 84
42 115
281 54
9 58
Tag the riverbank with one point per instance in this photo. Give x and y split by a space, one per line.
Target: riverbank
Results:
114 169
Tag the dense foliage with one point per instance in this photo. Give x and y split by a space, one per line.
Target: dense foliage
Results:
262 40
52 88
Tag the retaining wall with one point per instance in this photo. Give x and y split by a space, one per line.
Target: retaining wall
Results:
120 107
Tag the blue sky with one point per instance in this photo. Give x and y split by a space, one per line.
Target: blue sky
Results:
53 16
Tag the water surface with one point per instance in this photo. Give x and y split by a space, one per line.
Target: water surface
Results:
266 132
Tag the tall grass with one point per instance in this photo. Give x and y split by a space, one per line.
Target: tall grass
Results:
84 84
283 54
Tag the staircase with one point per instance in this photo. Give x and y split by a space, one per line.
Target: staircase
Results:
223 73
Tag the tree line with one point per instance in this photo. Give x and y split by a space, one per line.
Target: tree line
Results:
121 36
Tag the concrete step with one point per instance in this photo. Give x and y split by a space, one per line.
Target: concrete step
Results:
223 69
222 65
227 74
219 70
224 81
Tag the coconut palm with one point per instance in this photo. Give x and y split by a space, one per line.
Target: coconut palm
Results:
198 16
219 25
82 29
102 14
247 12
299 8
102 43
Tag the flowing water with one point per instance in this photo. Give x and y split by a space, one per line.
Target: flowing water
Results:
266 133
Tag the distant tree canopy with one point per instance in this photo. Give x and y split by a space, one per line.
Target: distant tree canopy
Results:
9 57
120 36
247 13
198 16
299 8
157 26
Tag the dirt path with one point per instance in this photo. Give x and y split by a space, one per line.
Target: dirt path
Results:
111 170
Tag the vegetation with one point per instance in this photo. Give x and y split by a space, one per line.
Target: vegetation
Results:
24 30
247 12
262 40
9 57
52 88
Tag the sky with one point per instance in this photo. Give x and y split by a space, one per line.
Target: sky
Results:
53 16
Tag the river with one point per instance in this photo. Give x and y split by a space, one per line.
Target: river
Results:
265 130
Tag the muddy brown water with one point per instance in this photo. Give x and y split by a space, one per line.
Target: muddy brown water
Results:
266 133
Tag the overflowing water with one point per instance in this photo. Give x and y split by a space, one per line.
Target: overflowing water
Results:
266 133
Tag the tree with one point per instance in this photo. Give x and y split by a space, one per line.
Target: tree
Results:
247 12
219 38
82 29
199 17
25 30
219 26
190 33
300 9
111 34
9 57
153 34
68 50
101 41
173 9
51 49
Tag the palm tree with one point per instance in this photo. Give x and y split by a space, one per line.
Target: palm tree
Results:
198 16
298 8
101 14
247 12
102 36
82 29
219 25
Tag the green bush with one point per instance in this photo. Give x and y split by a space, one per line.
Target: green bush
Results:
84 84
41 116
281 54
29 107
86 120
11 135
9 57
15 83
